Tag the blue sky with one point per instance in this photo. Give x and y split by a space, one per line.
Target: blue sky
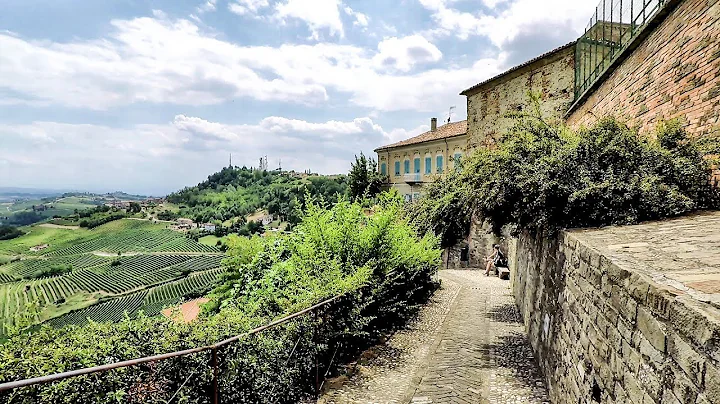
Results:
150 96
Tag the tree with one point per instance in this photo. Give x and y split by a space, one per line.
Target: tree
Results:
134 207
364 180
9 232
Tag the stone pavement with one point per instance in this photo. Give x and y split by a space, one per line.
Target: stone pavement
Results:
467 346
681 253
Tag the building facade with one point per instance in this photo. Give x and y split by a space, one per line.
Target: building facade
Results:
550 76
412 163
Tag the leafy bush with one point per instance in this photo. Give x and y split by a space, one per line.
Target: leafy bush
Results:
9 232
543 178
378 265
52 270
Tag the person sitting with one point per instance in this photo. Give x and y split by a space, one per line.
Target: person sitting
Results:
496 259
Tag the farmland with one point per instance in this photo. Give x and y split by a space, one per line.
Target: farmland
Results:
122 266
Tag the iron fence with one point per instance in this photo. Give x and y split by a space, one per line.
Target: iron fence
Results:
611 29
283 361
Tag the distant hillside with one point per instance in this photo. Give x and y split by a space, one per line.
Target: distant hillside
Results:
239 192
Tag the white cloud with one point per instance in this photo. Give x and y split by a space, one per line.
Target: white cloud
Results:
158 60
209 5
361 20
512 20
317 14
243 7
404 53
164 157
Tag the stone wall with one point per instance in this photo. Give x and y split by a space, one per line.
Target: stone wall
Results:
552 77
479 243
604 330
673 73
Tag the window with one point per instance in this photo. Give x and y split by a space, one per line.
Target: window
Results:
457 157
428 165
439 164
407 166
416 165
397 168
383 168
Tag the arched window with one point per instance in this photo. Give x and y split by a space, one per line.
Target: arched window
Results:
428 164
397 168
439 163
407 167
416 165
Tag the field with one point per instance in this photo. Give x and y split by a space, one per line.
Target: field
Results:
122 266
59 207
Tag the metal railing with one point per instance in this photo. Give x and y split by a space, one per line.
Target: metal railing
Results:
210 393
413 177
611 29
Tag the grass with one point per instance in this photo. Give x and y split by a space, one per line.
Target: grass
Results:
60 207
210 240
37 235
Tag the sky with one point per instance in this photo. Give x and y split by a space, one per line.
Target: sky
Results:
149 96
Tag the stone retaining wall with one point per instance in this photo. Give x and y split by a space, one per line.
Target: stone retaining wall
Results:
603 331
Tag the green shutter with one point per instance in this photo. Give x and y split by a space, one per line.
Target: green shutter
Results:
416 165
397 168
407 166
439 164
383 169
428 165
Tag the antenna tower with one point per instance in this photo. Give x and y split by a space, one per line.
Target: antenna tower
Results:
450 113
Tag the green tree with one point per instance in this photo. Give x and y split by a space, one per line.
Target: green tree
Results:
364 180
134 207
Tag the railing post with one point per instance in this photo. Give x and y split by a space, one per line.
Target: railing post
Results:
317 374
215 376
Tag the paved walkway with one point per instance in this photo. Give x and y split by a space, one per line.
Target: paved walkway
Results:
468 346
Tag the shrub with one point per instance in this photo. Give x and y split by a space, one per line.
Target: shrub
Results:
380 267
9 232
543 178
52 270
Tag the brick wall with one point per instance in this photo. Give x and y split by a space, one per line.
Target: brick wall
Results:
603 332
551 77
674 73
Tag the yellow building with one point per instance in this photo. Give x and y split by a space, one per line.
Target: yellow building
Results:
411 163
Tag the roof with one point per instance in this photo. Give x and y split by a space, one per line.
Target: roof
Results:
442 132
518 67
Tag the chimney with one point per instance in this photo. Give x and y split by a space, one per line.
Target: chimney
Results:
433 124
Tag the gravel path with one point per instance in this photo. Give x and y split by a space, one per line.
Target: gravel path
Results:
467 346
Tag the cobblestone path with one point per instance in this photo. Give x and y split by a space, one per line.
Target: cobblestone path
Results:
483 355
467 346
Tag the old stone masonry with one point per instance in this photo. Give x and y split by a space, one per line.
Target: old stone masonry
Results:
468 346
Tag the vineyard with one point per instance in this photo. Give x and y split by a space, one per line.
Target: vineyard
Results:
156 267
150 302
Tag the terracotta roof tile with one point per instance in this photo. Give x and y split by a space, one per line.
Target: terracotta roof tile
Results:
442 132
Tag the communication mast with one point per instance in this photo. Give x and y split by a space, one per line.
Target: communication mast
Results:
450 113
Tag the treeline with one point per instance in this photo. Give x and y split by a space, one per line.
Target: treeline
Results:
98 219
238 192
23 218
9 232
